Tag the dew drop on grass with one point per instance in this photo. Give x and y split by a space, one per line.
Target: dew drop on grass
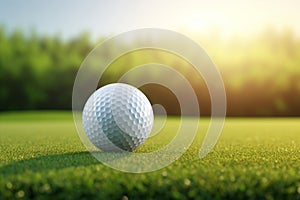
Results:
9 185
124 197
187 182
164 173
20 194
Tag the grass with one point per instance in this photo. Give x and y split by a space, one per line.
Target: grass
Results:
42 157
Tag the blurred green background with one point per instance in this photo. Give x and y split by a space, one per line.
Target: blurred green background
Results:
42 47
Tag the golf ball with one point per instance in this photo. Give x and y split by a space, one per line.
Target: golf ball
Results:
117 117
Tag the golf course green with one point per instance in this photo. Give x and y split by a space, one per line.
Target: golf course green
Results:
42 157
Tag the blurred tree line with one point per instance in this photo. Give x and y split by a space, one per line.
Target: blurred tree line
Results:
261 73
38 72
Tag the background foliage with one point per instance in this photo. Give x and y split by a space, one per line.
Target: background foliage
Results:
261 73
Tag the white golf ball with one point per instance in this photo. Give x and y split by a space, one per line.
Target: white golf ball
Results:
117 117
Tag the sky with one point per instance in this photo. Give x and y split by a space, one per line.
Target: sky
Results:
71 17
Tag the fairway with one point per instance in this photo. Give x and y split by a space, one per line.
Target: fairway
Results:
42 156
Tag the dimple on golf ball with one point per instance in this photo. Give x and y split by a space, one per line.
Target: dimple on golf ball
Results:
117 117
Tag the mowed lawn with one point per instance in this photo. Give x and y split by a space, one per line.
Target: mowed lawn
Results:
41 156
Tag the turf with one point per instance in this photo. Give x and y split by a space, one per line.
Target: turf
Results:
256 158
